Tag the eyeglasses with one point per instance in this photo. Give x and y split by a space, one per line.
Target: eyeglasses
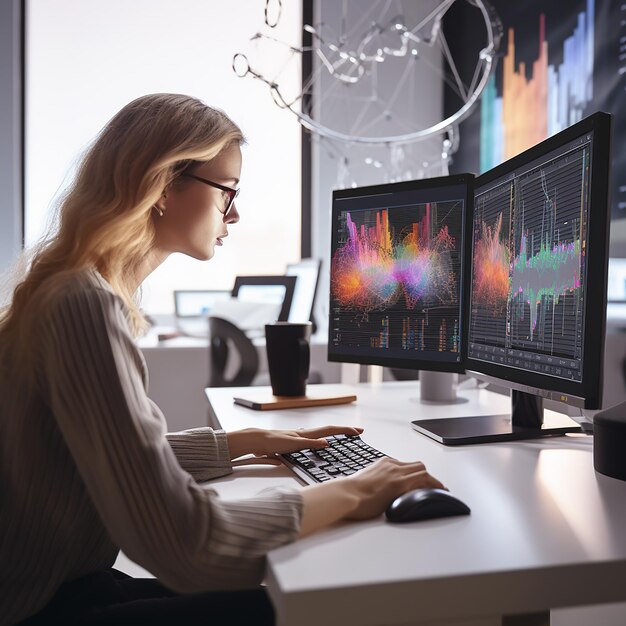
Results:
231 193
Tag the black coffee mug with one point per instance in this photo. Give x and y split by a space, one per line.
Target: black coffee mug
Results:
288 357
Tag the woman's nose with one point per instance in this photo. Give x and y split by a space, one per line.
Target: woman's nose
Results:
233 215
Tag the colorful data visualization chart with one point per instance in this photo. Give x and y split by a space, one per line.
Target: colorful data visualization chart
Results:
395 278
528 272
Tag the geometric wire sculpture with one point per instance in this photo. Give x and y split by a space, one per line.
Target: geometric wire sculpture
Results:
349 96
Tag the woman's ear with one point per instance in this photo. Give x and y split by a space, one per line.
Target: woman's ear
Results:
161 204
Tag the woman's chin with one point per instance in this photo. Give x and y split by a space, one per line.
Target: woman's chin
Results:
202 254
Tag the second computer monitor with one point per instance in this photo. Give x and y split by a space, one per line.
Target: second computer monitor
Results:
397 271
538 285
540 243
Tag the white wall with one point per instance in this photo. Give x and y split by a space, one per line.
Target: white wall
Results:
85 60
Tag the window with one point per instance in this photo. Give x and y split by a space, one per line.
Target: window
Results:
85 60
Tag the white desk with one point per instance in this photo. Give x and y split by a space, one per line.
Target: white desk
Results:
545 531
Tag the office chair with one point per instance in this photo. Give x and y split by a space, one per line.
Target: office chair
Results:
225 338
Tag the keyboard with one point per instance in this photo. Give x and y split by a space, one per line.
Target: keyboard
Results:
344 456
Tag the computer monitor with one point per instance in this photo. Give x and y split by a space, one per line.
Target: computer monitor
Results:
307 273
539 254
267 290
397 271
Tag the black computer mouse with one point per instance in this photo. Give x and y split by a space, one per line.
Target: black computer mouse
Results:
422 504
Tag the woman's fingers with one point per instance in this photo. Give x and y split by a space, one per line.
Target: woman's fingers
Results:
422 479
405 466
327 431
316 443
404 475
415 476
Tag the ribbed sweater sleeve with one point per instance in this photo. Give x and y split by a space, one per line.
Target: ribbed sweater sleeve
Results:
153 509
202 452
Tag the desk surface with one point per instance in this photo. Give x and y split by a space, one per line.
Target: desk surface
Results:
546 531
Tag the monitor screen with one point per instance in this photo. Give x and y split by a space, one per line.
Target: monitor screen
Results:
397 272
197 303
275 291
539 266
263 294
307 273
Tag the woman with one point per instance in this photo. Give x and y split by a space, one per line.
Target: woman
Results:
86 465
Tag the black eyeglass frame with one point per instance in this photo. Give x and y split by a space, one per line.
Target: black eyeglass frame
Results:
232 193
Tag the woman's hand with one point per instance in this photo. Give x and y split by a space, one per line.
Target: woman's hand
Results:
364 495
382 482
267 443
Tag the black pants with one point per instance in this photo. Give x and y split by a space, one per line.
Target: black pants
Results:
111 597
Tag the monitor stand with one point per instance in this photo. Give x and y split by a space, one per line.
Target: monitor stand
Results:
524 422
438 386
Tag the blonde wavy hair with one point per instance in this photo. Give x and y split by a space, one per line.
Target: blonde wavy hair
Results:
106 218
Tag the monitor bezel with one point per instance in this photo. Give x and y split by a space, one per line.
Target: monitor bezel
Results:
417 185
588 392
